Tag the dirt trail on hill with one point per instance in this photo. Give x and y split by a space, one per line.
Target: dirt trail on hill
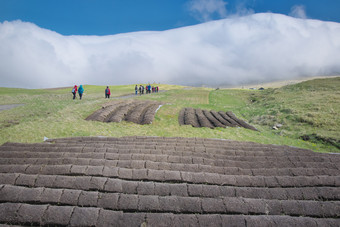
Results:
134 95
9 106
155 181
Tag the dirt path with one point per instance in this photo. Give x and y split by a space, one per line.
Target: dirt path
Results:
133 95
9 106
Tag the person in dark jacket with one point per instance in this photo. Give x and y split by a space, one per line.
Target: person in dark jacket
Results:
107 92
74 91
80 91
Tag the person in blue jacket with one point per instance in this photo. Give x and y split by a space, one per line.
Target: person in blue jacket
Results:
81 91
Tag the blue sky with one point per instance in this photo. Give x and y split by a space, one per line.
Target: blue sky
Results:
105 17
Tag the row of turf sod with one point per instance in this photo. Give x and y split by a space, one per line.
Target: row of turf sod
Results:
169 181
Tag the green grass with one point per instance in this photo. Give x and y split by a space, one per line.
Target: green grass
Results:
308 108
303 109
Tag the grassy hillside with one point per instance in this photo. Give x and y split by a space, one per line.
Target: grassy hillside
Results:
308 109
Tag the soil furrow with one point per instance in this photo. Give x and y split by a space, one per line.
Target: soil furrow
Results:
169 188
164 156
103 181
202 119
212 119
161 204
43 215
129 110
221 119
240 122
176 163
134 114
190 118
181 119
175 176
120 113
232 122
149 114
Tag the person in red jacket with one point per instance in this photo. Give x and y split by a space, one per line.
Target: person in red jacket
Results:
74 91
107 92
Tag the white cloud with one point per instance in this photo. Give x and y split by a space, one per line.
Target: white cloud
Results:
206 10
298 11
253 48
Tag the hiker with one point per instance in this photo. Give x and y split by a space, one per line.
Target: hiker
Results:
136 90
140 89
157 89
74 91
107 92
80 91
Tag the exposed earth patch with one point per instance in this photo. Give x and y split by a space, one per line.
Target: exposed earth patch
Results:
155 181
211 119
9 106
136 111
316 138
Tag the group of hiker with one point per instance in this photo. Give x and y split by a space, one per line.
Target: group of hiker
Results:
80 91
148 88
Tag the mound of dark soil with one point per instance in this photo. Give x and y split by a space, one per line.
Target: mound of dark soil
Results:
139 112
210 119
154 181
326 140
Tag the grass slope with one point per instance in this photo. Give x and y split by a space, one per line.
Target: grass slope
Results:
309 109
304 109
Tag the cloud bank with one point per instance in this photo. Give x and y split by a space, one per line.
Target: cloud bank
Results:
254 48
